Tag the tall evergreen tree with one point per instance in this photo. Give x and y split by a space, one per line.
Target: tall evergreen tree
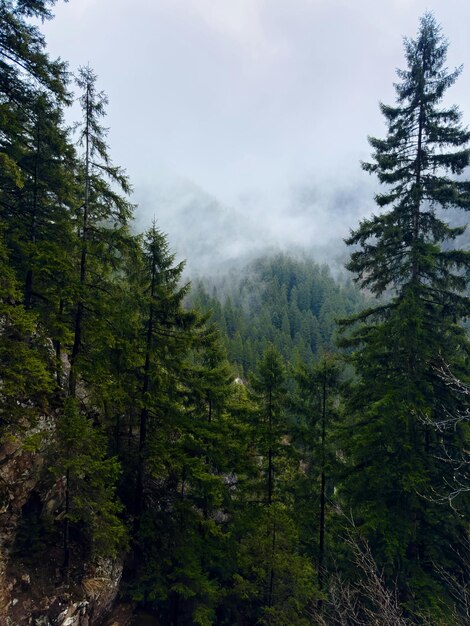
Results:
25 379
37 212
393 452
165 339
315 405
24 64
34 150
274 582
268 383
102 216
79 456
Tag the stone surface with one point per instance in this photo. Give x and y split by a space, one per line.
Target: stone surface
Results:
35 595
86 605
19 474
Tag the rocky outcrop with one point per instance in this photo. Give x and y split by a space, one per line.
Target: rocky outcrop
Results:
121 615
20 469
85 604
33 593
94 602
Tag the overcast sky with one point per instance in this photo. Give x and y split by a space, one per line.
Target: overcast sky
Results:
246 98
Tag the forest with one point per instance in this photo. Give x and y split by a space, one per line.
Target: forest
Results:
276 445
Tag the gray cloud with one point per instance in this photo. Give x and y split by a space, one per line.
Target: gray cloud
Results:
258 102
212 236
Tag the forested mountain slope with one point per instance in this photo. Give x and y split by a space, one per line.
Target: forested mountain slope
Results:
291 303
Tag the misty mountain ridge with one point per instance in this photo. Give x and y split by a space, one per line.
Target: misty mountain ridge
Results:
214 236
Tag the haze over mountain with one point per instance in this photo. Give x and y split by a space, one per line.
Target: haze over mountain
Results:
212 235
255 112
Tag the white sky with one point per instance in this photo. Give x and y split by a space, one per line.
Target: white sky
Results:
246 98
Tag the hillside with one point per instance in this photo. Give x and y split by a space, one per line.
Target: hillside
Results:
290 303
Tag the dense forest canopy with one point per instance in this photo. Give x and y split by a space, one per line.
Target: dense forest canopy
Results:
290 303
275 447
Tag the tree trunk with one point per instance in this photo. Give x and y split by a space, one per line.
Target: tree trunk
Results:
321 539
144 414
28 288
270 450
77 342
66 562
272 573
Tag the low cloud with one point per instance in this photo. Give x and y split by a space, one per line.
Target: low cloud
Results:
212 236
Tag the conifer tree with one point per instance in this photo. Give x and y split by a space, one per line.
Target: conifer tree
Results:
80 457
24 64
188 446
25 379
33 151
166 327
22 46
47 195
102 216
268 384
206 448
315 405
115 353
273 584
393 452
37 214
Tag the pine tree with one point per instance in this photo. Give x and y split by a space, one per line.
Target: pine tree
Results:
206 449
166 338
268 383
189 448
274 583
393 452
102 216
24 64
33 152
79 456
25 379
37 214
315 404
22 46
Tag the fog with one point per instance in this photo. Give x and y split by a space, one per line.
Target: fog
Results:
211 236
242 123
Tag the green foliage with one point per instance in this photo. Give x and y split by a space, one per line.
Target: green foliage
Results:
80 454
316 409
25 381
102 217
290 303
22 47
395 454
270 427
273 583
